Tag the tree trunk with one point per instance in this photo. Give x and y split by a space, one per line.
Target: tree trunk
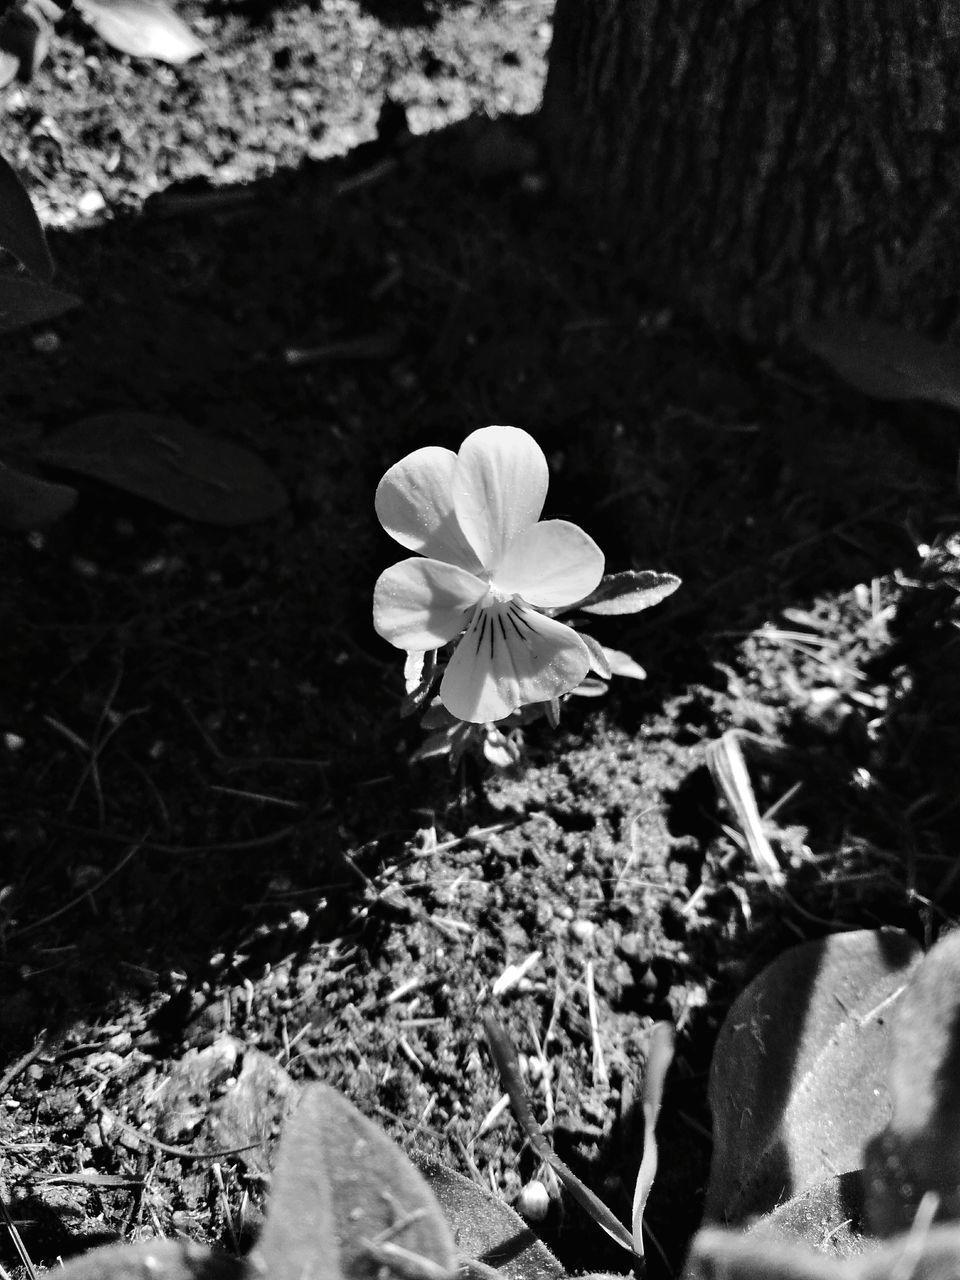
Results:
765 162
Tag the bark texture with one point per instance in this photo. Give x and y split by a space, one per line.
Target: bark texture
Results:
769 161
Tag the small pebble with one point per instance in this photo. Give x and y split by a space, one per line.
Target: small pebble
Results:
533 1201
582 930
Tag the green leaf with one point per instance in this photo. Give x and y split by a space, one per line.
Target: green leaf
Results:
25 301
885 361
163 459
629 592
142 28
340 1183
27 502
798 1078
20 230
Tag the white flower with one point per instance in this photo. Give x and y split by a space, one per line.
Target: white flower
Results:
486 565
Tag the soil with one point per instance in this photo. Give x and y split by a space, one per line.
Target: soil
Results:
213 832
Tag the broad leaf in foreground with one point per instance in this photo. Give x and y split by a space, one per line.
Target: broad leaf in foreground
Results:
798 1079
345 1199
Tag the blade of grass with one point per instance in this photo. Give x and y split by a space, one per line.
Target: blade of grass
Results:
505 1058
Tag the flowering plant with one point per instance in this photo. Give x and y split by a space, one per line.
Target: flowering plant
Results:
489 576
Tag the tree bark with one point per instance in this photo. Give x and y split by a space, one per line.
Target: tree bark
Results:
765 162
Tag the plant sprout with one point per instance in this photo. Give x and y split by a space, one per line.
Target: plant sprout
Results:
477 604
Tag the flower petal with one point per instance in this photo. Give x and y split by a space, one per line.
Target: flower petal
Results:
551 564
421 604
414 504
510 656
499 487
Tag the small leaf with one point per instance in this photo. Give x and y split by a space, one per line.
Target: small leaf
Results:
629 592
339 1183
884 361
20 230
621 664
152 1260
798 1074
25 301
27 502
598 657
659 1056
165 460
142 28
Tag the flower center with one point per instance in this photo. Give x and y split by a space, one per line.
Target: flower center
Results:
495 596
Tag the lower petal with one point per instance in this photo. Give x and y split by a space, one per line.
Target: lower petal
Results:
421 604
508 657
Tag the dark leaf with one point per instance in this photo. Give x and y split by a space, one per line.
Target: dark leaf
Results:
20 230
142 28
798 1079
339 1184
486 1228
885 361
630 592
27 502
163 459
26 301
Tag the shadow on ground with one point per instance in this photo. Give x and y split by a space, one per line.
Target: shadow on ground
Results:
204 757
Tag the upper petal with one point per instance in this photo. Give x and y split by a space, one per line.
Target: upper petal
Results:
421 604
508 657
499 487
551 564
414 503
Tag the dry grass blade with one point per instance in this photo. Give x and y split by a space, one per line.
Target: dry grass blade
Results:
659 1057
505 1057
729 771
